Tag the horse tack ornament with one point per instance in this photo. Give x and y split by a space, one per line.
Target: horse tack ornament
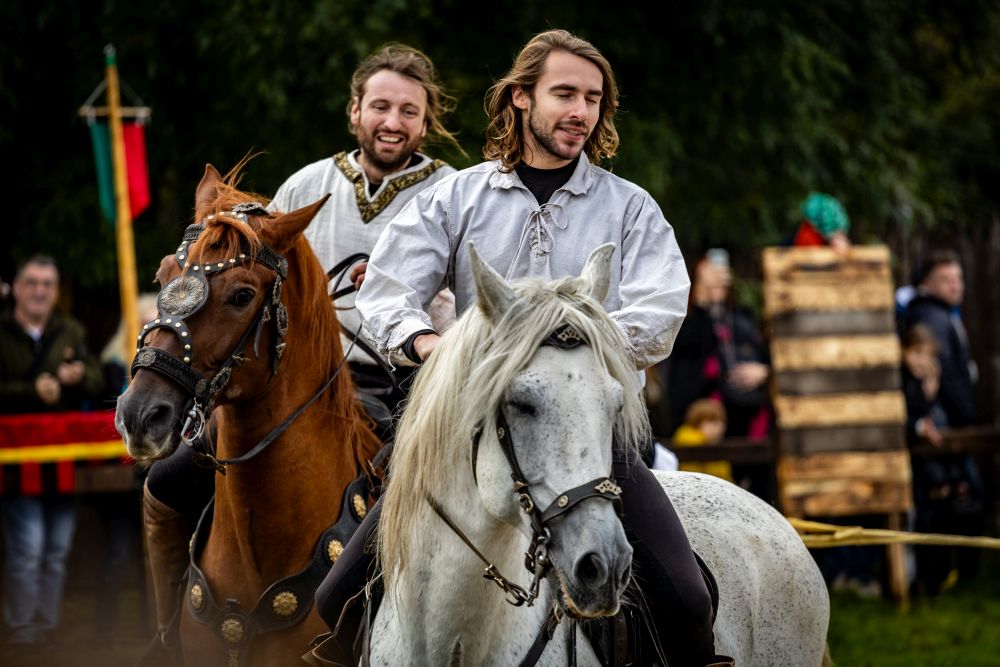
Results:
186 295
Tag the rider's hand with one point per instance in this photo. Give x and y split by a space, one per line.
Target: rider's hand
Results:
358 274
425 344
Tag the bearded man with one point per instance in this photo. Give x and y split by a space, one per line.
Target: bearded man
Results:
537 209
396 102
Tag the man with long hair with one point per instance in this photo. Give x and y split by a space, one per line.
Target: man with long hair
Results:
538 208
396 103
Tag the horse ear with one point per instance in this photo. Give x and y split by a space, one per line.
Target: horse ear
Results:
284 231
207 191
493 294
596 274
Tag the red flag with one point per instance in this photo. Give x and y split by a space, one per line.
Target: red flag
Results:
134 136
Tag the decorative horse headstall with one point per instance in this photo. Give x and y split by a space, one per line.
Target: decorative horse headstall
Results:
187 294
536 559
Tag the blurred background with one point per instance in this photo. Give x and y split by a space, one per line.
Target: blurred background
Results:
731 113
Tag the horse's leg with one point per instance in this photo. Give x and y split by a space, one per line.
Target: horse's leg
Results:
672 583
345 580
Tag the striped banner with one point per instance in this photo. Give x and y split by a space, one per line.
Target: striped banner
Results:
38 452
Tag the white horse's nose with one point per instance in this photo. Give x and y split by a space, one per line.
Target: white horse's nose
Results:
603 572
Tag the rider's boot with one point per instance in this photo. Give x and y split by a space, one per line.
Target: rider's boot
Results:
338 648
168 533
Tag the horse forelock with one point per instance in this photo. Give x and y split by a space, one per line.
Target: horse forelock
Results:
477 360
313 338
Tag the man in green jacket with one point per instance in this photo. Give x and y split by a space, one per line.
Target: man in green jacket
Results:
44 366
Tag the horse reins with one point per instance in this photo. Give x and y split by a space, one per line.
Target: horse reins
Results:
536 558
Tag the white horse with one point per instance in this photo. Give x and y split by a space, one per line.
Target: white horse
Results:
557 407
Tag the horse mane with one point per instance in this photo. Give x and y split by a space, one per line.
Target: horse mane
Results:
477 361
313 331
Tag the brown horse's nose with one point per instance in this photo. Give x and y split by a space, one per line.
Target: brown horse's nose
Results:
151 420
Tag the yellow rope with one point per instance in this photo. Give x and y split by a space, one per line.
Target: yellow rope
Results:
823 535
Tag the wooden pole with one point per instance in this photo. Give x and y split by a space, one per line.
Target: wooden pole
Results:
127 282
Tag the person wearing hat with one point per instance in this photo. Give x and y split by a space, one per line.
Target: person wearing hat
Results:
824 222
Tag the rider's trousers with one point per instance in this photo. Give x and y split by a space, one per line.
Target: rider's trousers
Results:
663 564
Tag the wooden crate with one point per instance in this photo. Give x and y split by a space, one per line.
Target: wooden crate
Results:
845 483
835 382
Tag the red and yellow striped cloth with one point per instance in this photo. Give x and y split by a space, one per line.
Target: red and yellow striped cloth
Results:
32 445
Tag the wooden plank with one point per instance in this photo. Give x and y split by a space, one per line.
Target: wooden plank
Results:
834 352
884 407
894 465
865 438
734 450
848 499
809 383
866 264
966 440
845 483
785 297
833 323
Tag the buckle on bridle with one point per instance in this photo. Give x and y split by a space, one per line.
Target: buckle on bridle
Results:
194 425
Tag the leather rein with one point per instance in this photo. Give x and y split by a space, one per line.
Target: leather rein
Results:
536 558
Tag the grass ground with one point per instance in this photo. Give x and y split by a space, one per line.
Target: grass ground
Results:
959 627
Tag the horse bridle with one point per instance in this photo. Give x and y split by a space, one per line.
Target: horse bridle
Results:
536 558
186 295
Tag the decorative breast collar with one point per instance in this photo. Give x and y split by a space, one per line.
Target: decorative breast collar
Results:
285 602
370 209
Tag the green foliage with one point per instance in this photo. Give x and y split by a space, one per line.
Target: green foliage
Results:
731 111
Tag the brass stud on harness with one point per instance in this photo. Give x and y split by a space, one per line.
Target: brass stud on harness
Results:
197 597
563 501
607 486
232 630
333 549
360 508
284 604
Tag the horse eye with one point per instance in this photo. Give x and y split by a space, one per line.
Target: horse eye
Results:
525 409
242 298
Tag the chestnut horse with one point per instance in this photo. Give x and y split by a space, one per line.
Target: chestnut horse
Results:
246 326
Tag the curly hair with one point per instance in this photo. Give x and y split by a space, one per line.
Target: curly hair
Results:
413 64
504 139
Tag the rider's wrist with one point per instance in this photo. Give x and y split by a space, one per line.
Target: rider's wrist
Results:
409 348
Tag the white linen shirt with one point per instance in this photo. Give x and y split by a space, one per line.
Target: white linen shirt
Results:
352 220
425 248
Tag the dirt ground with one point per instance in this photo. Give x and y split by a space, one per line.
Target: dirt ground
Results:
106 618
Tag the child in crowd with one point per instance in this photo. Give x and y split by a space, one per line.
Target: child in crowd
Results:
704 424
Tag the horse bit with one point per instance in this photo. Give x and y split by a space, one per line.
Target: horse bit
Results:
186 295
536 558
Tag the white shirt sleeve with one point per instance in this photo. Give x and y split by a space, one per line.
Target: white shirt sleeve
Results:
654 284
408 267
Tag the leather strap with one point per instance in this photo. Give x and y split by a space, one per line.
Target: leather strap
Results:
285 602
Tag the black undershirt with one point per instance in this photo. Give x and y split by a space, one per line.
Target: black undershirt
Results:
544 182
